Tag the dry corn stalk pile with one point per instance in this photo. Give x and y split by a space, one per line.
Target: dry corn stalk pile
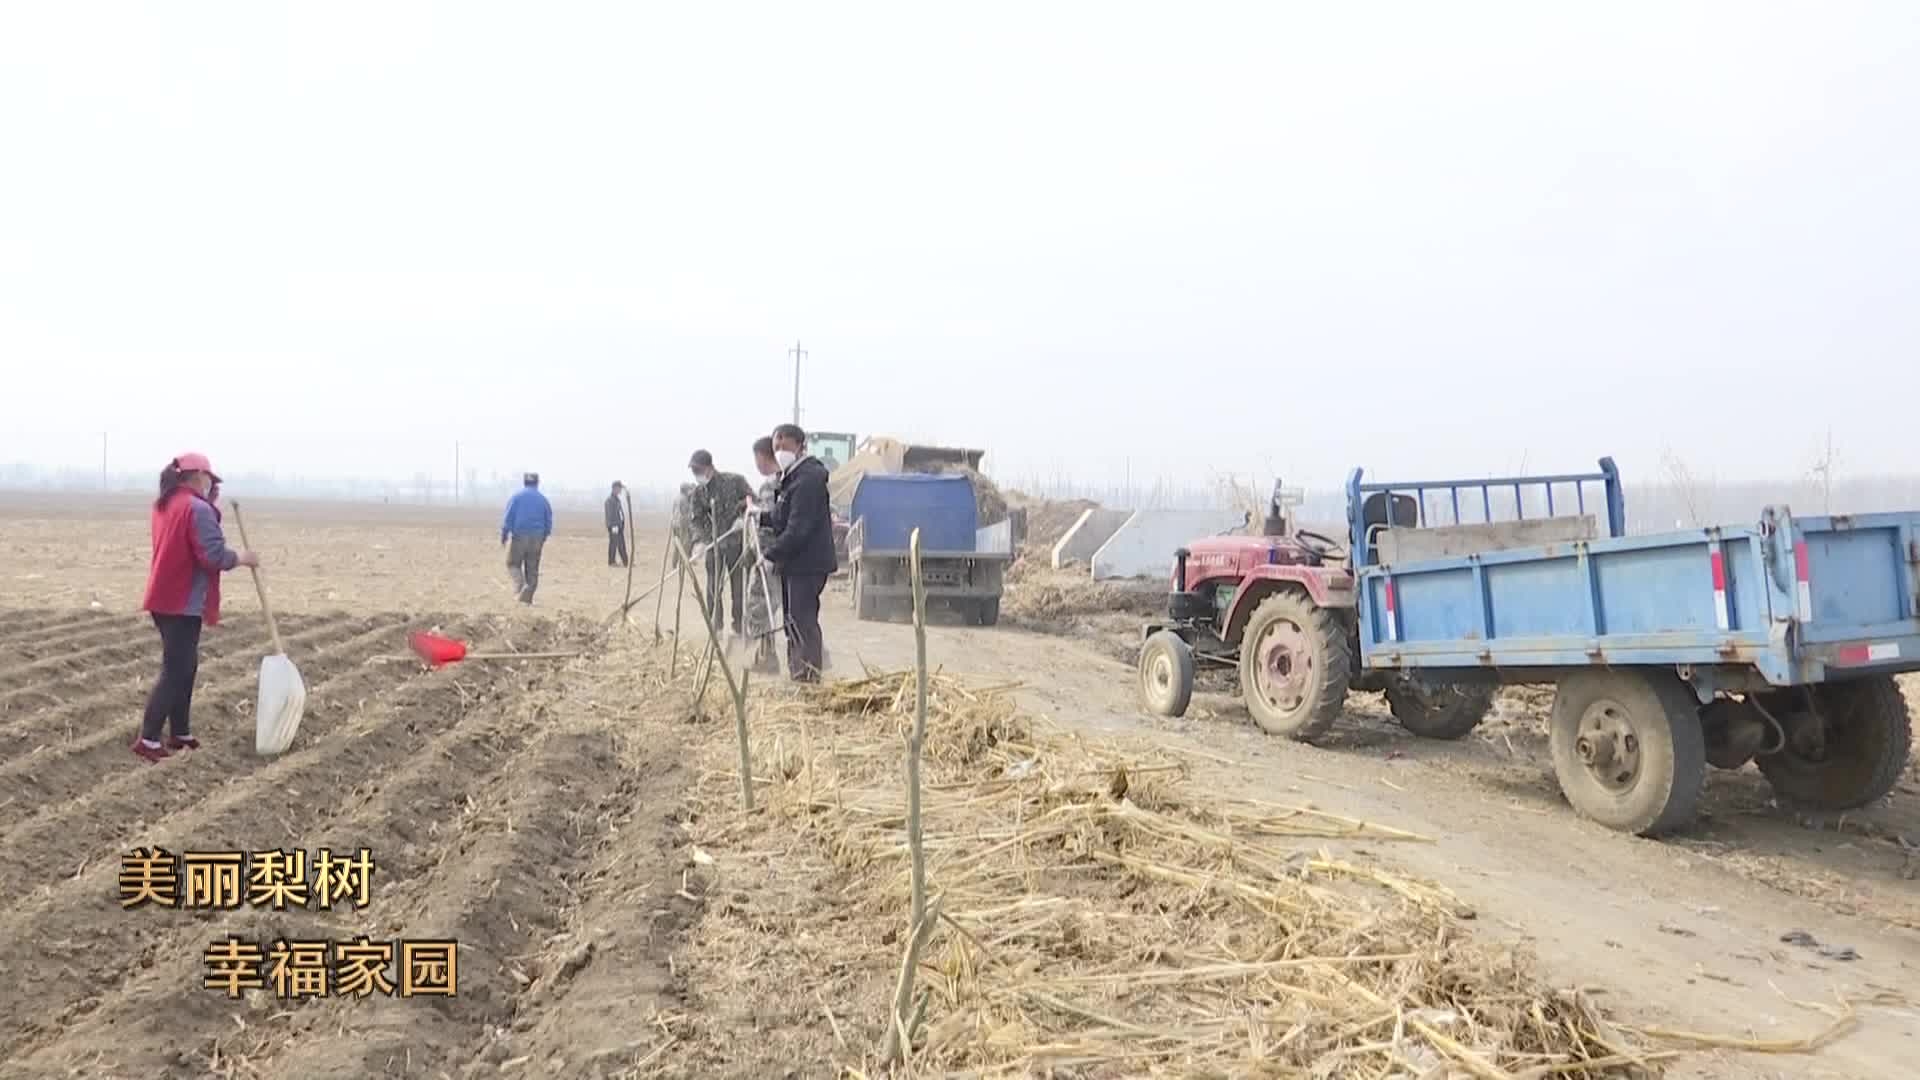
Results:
1102 917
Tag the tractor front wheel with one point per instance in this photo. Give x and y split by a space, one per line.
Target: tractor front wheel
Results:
1294 666
1166 674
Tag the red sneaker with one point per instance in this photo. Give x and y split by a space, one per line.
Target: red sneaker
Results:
151 753
182 742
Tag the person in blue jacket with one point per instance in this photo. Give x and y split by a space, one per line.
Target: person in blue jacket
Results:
524 533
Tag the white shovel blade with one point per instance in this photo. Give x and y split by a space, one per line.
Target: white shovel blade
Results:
283 700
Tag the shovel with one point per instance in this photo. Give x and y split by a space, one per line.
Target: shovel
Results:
283 697
437 652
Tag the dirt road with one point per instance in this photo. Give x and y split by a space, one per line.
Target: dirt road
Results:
1683 934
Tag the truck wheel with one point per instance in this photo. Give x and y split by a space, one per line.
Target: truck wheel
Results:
1294 666
1438 711
988 612
1166 674
1869 733
866 607
1629 750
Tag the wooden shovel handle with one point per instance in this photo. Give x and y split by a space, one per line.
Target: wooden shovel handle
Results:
519 656
259 585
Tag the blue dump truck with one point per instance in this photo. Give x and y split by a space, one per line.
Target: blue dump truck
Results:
963 564
1774 642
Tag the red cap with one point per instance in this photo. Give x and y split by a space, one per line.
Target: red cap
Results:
192 462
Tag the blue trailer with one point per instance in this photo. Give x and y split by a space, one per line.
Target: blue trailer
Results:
963 565
1774 642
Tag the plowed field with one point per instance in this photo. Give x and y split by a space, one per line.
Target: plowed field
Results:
475 804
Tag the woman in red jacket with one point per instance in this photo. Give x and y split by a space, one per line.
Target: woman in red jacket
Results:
183 593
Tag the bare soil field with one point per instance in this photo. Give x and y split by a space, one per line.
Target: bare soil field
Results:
571 825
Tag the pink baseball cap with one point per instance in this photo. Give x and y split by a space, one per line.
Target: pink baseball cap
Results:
195 462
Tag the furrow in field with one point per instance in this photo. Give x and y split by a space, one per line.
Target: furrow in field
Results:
67 667
37 644
33 621
501 891
136 648
416 728
41 783
468 844
31 716
137 627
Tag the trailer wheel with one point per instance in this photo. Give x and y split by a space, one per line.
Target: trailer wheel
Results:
1868 735
1628 749
1438 712
1294 666
866 607
1166 674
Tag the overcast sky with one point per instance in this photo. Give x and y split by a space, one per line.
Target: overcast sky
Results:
1093 238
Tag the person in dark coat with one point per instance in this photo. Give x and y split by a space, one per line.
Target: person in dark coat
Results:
190 553
616 528
802 549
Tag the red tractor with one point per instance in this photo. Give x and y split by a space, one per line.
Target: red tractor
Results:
1280 608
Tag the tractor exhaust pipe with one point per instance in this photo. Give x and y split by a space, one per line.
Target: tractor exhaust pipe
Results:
1180 570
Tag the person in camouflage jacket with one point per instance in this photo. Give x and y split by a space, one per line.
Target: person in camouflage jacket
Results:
763 585
719 504
682 521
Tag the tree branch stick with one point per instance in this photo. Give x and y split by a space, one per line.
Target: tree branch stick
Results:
902 1020
666 556
737 688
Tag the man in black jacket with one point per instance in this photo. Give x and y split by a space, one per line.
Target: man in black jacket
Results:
802 549
616 528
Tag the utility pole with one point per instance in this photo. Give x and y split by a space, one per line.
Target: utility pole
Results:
798 354
1824 471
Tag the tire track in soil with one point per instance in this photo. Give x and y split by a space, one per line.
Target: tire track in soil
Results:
125 685
76 813
134 648
58 977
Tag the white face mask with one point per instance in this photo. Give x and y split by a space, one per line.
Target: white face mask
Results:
784 459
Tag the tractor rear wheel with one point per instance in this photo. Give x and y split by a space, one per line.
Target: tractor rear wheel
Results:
1294 666
1166 674
1868 734
1444 711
